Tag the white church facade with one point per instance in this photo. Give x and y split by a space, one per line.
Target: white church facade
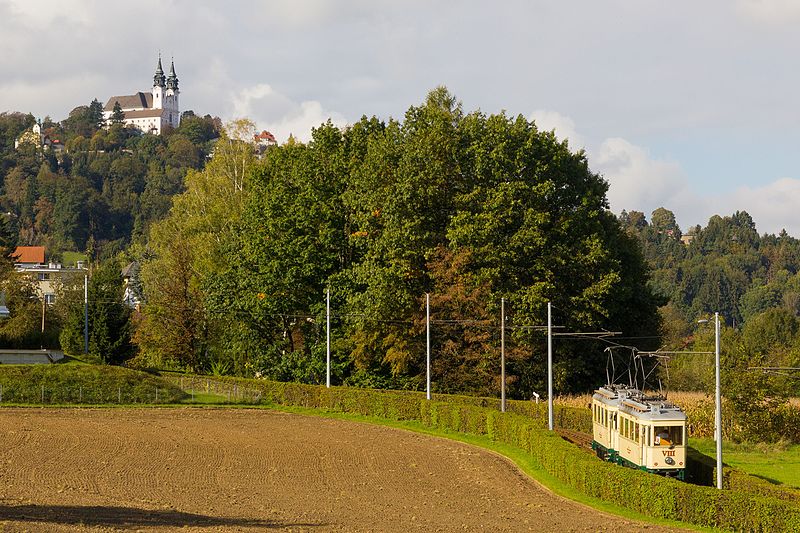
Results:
150 112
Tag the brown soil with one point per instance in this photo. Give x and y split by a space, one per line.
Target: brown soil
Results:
254 470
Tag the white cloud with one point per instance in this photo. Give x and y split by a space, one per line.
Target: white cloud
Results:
244 100
772 206
295 14
636 179
35 97
547 120
769 11
279 114
41 13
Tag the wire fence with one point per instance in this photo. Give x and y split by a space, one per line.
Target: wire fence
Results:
49 394
171 391
214 390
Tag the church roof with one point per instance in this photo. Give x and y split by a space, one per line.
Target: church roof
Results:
144 113
139 100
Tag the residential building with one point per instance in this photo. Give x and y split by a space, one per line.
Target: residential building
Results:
39 139
130 279
262 141
30 260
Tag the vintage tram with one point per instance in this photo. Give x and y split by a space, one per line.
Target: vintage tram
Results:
644 432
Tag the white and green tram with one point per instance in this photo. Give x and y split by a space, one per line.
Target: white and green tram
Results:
644 432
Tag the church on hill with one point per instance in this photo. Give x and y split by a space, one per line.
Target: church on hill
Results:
152 111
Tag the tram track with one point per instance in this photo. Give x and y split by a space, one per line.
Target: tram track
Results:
578 438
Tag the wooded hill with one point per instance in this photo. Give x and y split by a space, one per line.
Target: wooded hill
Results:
105 189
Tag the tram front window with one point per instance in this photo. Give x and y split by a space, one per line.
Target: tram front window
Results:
668 435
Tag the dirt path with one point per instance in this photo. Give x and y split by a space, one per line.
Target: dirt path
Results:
254 470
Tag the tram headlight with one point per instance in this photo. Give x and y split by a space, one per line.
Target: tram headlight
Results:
669 460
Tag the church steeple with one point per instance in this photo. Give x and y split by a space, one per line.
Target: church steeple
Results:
158 78
172 80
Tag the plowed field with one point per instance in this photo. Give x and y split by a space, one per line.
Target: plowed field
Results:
253 470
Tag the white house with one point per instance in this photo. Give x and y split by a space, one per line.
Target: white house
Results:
30 260
150 111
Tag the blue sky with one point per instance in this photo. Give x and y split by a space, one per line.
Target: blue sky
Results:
687 105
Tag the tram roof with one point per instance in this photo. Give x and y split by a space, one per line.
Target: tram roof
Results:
636 403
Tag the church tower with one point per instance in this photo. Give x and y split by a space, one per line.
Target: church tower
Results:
158 86
171 96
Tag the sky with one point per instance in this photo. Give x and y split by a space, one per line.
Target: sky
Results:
687 105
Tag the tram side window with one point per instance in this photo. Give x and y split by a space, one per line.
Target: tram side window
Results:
668 435
636 432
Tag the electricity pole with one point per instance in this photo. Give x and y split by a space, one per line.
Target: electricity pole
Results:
328 339
503 355
550 366
86 313
428 345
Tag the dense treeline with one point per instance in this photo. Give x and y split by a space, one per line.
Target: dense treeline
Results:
79 187
467 207
753 281
104 189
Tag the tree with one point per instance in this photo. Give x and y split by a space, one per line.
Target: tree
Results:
117 115
288 243
663 221
109 317
464 339
469 207
23 327
176 328
198 130
95 114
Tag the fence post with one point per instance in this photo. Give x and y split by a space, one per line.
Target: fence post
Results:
156 395
1 394
193 392
80 394
119 394
42 393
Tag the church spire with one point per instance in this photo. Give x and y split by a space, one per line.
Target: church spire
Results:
158 78
172 80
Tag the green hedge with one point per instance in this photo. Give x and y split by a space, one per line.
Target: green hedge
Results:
524 427
88 384
741 482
